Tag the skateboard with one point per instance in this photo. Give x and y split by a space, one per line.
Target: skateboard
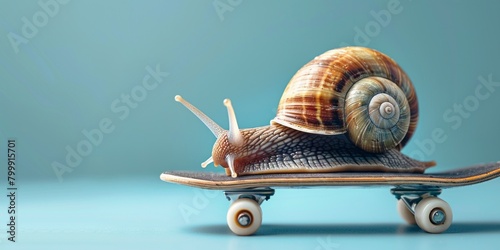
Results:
417 193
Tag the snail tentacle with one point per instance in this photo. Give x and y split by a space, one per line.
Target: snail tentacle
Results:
208 161
213 126
230 161
234 134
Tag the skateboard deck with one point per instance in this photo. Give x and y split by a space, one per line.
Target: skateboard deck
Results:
459 177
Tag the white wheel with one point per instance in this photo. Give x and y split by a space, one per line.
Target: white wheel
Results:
405 212
433 215
244 216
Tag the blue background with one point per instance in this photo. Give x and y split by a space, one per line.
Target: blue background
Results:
73 63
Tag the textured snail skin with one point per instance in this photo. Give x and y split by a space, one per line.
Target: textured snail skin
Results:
279 149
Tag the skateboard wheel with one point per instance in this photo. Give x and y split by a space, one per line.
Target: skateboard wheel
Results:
433 215
244 216
405 212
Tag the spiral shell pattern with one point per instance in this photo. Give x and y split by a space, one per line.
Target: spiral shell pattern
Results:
314 100
378 114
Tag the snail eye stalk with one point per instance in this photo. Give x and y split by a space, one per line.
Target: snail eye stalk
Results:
213 126
234 135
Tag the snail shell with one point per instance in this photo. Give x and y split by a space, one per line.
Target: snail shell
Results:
355 90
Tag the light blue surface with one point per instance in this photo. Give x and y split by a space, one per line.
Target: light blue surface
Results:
73 63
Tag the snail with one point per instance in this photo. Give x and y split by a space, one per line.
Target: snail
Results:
349 109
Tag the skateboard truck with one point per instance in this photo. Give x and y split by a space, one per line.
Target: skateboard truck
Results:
411 196
244 216
257 194
420 205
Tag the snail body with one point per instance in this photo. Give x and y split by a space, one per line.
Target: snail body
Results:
349 109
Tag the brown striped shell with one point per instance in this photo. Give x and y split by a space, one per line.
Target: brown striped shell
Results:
355 90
